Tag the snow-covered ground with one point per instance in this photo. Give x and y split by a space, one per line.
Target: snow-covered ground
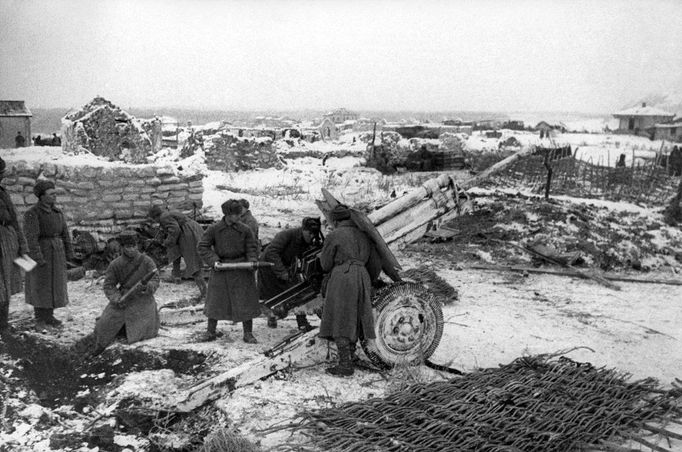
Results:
499 315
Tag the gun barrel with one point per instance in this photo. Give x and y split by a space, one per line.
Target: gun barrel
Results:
226 266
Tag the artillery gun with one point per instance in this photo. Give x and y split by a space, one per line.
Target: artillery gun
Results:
408 318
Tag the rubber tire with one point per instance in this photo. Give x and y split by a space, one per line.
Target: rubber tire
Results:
392 346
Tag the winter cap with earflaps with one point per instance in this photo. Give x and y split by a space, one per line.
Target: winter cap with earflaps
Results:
154 211
312 224
231 207
340 212
41 186
127 237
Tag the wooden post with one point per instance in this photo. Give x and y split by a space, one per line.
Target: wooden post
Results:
549 174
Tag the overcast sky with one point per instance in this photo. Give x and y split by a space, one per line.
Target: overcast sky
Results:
521 55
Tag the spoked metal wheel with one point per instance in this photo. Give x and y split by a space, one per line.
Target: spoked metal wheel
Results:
408 322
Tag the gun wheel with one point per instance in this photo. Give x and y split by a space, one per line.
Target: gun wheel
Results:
408 322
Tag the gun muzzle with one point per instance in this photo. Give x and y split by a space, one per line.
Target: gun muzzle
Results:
227 266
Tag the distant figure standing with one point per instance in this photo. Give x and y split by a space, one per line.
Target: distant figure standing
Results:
621 161
12 245
49 244
19 140
675 162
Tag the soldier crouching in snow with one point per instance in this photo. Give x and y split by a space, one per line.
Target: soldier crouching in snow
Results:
232 295
182 237
136 314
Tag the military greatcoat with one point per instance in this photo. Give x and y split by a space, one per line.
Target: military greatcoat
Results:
139 313
282 252
12 244
348 304
49 244
232 294
182 237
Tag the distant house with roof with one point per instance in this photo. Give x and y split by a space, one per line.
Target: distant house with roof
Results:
549 126
671 131
641 120
14 117
341 115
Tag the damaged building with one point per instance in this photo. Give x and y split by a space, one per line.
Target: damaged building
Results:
106 130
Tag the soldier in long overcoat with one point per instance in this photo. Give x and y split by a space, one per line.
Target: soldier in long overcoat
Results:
182 237
347 313
282 252
232 295
49 244
12 245
138 313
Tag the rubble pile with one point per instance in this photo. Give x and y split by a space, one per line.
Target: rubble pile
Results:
227 152
104 129
601 237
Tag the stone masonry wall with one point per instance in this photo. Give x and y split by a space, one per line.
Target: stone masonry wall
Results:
226 152
104 199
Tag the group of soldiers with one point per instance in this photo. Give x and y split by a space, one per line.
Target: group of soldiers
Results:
348 257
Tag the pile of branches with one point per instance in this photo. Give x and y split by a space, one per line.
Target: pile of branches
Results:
538 403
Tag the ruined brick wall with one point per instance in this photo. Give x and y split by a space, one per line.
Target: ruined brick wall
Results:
106 130
104 199
226 152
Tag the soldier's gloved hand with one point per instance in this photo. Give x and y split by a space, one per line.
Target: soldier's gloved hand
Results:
142 290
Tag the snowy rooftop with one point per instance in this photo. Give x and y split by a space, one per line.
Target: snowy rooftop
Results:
643 110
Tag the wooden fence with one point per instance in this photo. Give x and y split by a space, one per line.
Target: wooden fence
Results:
643 182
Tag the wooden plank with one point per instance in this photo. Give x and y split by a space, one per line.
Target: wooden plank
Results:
521 269
582 273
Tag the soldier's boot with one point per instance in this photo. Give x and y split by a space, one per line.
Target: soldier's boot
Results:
4 318
50 319
344 368
248 332
303 324
210 334
201 284
176 273
353 357
41 318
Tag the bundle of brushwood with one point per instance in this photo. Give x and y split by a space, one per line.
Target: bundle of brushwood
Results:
536 403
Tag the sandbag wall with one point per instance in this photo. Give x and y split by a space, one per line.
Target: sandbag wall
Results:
104 199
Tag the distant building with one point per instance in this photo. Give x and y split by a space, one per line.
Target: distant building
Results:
671 131
328 130
341 115
14 118
453 122
513 124
549 126
641 120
